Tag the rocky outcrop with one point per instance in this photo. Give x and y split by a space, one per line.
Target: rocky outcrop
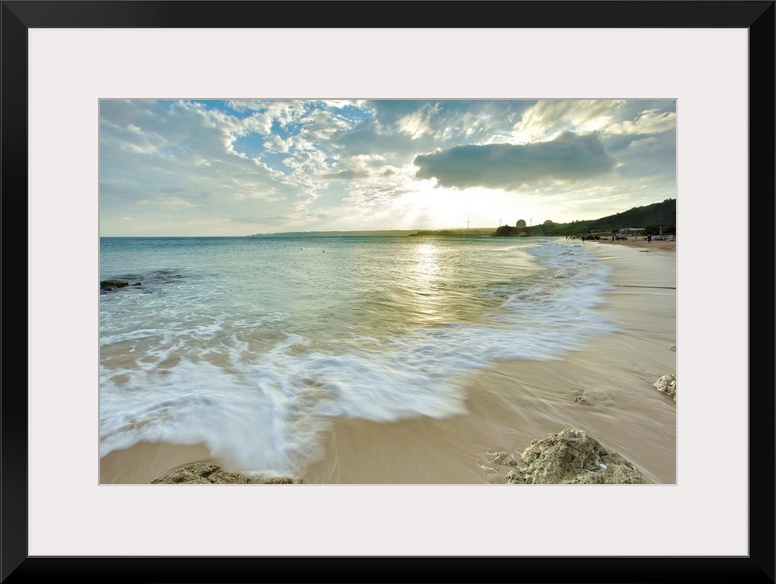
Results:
201 473
667 385
112 284
569 457
109 285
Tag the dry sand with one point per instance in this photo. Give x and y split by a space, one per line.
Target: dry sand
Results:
606 389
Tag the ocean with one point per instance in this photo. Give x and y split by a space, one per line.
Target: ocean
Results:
254 345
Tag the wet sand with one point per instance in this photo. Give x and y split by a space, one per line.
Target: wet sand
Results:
144 462
605 388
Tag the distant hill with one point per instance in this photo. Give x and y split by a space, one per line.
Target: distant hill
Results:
652 218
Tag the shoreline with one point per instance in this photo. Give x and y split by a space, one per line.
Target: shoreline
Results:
655 244
604 388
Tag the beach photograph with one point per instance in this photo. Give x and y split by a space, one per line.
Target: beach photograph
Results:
387 292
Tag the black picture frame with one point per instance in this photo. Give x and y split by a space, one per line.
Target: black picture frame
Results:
756 16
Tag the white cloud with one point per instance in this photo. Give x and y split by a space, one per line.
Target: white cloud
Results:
548 118
418 123
277 144
648 122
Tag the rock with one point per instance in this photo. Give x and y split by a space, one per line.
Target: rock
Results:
667 385
502 458
573 457
112 284
208 474
582 398
201 473
282 481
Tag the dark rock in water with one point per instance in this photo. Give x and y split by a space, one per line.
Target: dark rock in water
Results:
137 284
573 457
112 284
212 474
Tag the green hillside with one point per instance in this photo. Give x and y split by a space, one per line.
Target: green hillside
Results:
652 218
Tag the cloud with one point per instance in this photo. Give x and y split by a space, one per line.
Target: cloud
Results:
550 117
400 129
276 144
169 202
369 137
647 122
569 157
346 174
649 156
418 123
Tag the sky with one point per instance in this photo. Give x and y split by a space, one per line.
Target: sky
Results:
244 167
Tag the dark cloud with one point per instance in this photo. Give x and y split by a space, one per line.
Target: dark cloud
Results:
619 142
569 157
647 156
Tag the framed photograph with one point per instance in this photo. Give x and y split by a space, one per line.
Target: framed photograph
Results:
220 167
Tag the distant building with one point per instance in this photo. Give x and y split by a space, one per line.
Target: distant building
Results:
628 231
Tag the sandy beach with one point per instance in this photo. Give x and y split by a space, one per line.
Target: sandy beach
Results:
605 389
655 244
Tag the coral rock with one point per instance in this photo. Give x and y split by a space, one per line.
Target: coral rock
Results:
573 457
208 474
667 385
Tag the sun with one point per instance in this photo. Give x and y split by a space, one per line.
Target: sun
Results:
434 207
